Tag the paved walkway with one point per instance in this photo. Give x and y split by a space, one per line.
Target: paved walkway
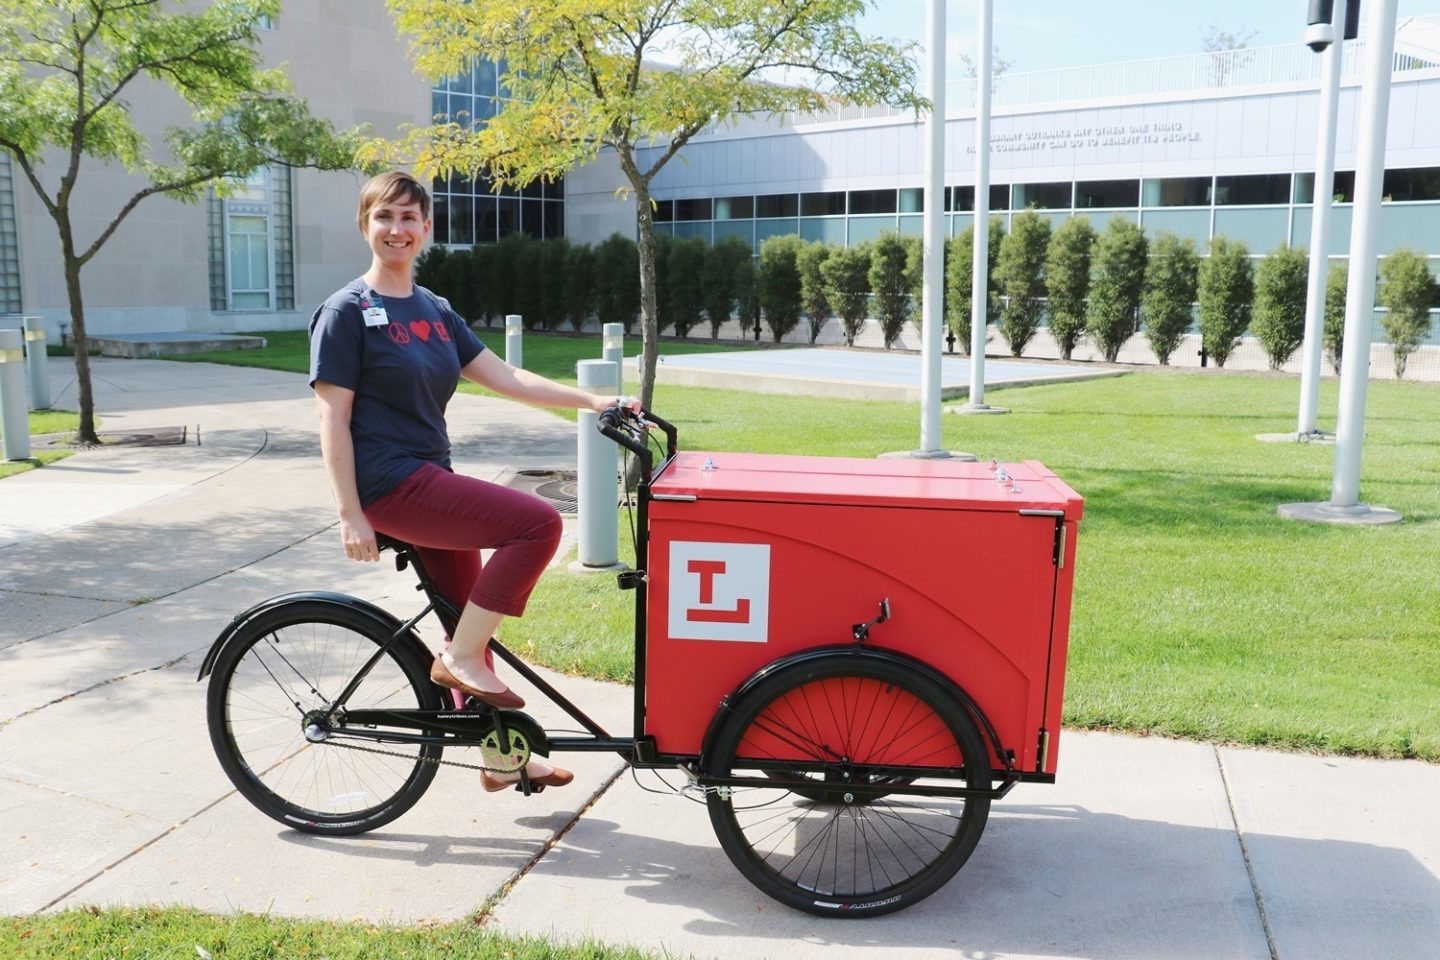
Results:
118 567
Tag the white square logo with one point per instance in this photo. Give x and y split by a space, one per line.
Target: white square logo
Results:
719 591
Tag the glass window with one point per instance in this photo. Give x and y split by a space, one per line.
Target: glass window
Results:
872 201
535 189
440 218
869 228
830 204
462 220
1194 224
694 209
912 200
1420 183
1043 196
744 229
826 231
962 199
507 217
664 211
999 196
734 208
532 218
1260 230
10 301
249 249
1107 193
1177 192
1253 190
554 219
485 227
777 205
1344 187
774 228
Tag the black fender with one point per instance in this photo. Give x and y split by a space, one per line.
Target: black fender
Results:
383 619
798 660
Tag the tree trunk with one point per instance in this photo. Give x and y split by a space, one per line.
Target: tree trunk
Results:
86 433
649 308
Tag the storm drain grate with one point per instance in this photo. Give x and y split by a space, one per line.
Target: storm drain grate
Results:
150 437
554 486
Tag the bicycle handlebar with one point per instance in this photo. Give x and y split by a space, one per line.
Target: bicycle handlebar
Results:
629 430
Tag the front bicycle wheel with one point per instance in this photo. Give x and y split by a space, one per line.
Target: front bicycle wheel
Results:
277 677
850 745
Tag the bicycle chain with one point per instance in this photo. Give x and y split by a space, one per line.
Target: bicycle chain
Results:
421 759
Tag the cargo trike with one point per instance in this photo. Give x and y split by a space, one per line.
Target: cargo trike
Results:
847 659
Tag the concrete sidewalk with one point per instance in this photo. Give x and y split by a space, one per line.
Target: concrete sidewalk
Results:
119 566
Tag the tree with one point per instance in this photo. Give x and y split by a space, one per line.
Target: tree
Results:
1067 281
777 284
890 285
721 262
581 77
1117 280
1337 284
617 281
687 284
1020 277
1225 292
1278 320
747 298
577 284
1168 302
66 67
960 280
847 282
813 296
1227 50
1407 292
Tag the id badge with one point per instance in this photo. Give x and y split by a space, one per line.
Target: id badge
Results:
373 309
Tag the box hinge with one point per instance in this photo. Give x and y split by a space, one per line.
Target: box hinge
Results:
1059 558
1043 751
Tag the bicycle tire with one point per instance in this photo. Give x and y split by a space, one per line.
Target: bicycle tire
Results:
289 660
839 720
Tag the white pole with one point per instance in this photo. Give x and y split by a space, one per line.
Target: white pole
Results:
1364 246
933 289
14 421
1330 61
598 537
514 340
35 354
980 286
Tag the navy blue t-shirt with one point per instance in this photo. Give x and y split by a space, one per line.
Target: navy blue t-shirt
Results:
403 369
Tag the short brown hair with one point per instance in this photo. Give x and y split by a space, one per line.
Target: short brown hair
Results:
392 187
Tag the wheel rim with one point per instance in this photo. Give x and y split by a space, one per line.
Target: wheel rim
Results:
837 839
279 685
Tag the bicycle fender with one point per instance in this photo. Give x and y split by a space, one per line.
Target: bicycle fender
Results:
799 659
383 618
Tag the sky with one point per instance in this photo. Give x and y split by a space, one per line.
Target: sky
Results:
1045 34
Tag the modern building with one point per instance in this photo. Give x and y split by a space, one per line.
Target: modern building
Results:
1215 143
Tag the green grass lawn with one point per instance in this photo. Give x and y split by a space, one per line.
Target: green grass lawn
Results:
43 422
181 934
1198 612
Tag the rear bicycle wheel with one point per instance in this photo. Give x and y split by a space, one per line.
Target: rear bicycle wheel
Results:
830 841
278 675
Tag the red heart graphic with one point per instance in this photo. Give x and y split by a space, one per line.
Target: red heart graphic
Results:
421 328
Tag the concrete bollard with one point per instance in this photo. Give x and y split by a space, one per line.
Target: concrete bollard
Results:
612 348
514 340
14 416
35 355
598 492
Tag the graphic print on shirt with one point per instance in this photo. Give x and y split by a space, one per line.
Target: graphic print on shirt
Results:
398 333
719 591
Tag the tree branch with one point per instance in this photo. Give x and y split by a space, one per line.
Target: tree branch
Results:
150 191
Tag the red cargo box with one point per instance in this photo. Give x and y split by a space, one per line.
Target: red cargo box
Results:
752 557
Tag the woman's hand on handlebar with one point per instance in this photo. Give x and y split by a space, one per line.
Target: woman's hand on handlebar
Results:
358 538
629 404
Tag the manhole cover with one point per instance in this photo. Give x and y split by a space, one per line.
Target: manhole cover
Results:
555 486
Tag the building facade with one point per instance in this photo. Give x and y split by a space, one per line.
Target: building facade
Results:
1200 146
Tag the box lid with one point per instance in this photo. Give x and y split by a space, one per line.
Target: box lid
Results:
930 484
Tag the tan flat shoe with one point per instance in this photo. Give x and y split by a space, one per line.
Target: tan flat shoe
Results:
505 699
557 777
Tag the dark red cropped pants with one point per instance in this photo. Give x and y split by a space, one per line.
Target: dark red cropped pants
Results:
451 518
